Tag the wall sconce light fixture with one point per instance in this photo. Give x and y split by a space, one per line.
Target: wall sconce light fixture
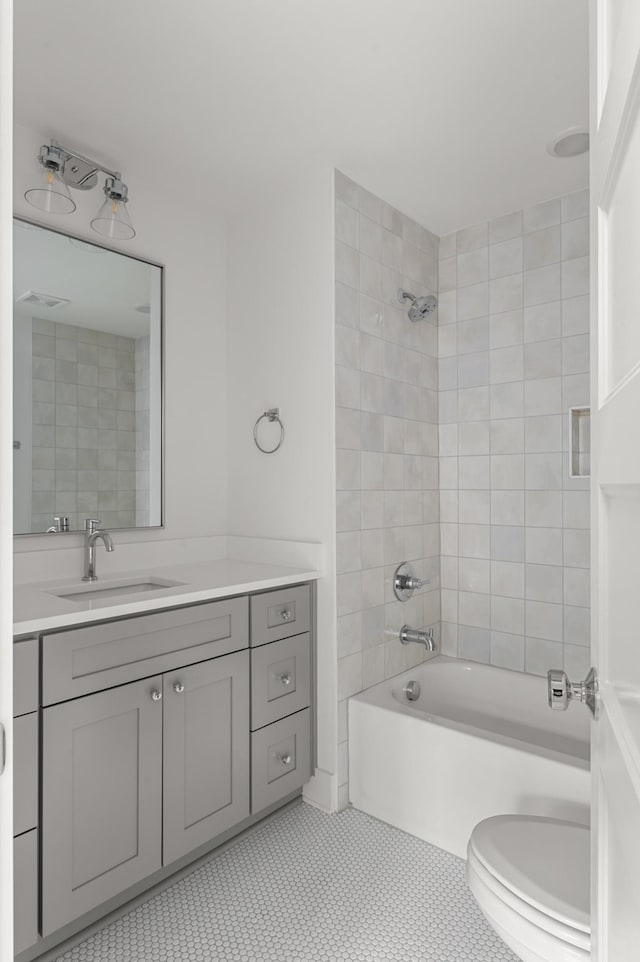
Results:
64 168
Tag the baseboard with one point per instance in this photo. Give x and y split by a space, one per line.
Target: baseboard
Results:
321 791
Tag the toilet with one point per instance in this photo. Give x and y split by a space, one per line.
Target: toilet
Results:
530 876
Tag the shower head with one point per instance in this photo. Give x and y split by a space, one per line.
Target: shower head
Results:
420 306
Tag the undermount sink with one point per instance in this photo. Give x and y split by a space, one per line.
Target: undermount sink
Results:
113 589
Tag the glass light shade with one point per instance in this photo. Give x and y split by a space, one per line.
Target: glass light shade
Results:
52 194
112 220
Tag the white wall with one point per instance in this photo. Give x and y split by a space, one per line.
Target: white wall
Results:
280 309
180 233
280 354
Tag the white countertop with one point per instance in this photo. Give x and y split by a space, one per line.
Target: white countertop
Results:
37 608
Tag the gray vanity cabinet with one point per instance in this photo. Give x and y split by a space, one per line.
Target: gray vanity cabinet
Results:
25 793
157 736
205 751
137 776
101 798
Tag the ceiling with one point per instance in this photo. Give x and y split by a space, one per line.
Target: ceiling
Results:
442 107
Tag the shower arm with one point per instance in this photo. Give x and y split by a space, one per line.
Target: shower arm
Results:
406 296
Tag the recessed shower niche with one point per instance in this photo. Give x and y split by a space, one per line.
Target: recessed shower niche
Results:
580 442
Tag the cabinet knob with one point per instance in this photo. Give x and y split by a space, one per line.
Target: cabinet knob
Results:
156 694
178 687
285 679
285 759
286 614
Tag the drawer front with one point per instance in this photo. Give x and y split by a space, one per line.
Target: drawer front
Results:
25 773
280 614
84 660
280 759
25 676
25 890
280 679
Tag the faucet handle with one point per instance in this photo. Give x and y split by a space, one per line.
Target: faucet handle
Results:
405 581
91 525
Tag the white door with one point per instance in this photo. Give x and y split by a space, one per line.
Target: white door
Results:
615 396
6 472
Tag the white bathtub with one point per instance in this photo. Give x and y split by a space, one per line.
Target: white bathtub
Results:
479 741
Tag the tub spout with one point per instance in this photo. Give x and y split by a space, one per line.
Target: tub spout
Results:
407 635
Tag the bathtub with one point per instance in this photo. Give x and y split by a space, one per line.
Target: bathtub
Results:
478 741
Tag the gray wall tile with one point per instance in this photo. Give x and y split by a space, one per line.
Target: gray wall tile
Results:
526 515
78 427
387 508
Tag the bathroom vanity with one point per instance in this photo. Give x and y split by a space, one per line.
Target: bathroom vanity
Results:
149 732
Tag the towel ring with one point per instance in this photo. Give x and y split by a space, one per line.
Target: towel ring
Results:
273 414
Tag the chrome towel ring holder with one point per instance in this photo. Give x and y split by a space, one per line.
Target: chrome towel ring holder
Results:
273 414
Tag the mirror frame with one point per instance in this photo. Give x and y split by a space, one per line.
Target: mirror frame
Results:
163 420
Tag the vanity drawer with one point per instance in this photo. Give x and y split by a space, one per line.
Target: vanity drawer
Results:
83 660
25 676
280 679
280 759
25 773
25 890
280 614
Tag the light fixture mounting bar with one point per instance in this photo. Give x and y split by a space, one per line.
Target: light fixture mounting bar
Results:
95 164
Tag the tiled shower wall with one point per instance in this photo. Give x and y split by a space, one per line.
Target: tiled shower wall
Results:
387 445
513 358
143 431
84 430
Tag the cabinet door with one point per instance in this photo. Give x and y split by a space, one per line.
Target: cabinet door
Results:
25 773
102 783
206 752
25 890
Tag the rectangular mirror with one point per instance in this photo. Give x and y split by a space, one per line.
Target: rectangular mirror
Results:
87 384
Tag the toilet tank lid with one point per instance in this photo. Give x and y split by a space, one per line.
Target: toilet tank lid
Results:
544 861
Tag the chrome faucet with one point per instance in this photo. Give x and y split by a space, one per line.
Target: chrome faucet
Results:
92 534
425 638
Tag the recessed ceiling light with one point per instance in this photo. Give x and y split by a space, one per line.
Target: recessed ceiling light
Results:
570 143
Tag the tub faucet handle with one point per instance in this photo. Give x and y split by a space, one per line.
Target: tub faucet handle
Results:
561 691
405 581
409 583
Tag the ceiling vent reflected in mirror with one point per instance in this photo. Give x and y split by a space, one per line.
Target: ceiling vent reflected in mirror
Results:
64 168
43 300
